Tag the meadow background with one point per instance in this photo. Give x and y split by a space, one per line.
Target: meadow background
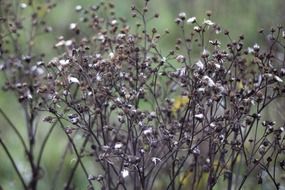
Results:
238 16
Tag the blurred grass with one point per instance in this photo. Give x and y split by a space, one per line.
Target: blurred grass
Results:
240 17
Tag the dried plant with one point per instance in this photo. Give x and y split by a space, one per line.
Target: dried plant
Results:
147 120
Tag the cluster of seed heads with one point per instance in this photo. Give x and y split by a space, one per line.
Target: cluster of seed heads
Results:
146 116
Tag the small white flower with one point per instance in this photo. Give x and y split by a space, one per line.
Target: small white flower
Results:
147 131
208 160
64 62
111 54
134 111
40 63
155 160
220 87
218 31
113 22
205 52
125 173
60 43
91 177
152 114
98 77
29 95
180 58
74 120
197 28
282 71
191 20
98 55
163 59
120 36
200 65
48 29
208 22
68 43
250 50
72 26
78 8
196 151
215 42
268 75
218 66
222 138
101 37
182 72
37 70
201 89
73 80
182 15
141 124
118 145
105 148
199 116
278 79
118 100
256 47
210 81
23 5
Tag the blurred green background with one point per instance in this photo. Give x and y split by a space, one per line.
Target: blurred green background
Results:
238 16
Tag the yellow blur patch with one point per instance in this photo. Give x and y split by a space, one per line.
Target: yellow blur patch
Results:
239 85
179 102
187 180
43 10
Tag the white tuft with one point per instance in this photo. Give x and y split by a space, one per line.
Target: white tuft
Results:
200 65
125 173
191 20
73 80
